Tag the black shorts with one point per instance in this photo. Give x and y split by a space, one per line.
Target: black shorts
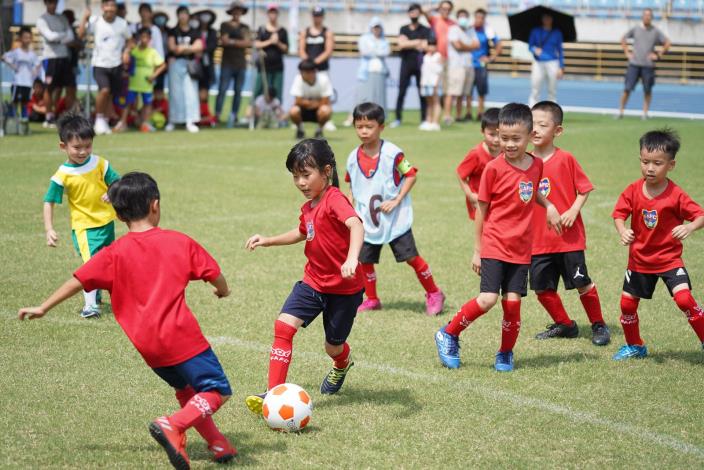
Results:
159 82
642 285
481 80
646 74
21 94
500 277
403 248
546 270
59 73
309 115
339 310
110 78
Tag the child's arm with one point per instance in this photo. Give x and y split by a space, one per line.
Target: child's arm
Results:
478 226
627 235
570 215
288 238
68 290
390 205
682 231
221 287
552 215
51 236
157 71
356 239
468 192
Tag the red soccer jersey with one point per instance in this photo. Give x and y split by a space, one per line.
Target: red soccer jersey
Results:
147 274
471 169
507 233
562 180
654 249
327 243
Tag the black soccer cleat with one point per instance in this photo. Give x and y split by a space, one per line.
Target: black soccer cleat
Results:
332 382
558 330
300 133
319 133
601 336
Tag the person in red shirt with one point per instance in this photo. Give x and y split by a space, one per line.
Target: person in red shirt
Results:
332 283
470 170
148 300
440 24
658 209
504 231
566 185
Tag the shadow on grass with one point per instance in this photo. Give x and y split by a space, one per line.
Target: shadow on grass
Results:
695 356
550 360
415 307
377 397
248 446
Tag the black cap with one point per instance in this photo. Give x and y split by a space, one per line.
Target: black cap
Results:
318 11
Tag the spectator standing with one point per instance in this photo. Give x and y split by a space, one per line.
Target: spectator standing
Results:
460 74
25 65
481 57
430 73
235 38
56 33
441 23
641 60
545 43
272 41
317 42
184 44
412 40
209 38
161 21
372 73
146 20
110 36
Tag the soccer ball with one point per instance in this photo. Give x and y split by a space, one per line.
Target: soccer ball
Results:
287 408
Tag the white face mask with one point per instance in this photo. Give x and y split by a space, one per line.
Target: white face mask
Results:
463 22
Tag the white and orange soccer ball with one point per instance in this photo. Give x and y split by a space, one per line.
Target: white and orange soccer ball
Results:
288 408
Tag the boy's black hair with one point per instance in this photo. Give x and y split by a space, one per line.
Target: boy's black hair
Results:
414 6
448 1
144 6
312 153
144 30
306 65
516 113
24 29
370 111
462 11
480 11
107 1
550 107
666 140
490 118
132 195
74 126
38 81
182 8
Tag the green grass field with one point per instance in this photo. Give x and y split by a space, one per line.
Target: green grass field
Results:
75 394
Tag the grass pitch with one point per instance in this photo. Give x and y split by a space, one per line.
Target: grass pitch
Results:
75 394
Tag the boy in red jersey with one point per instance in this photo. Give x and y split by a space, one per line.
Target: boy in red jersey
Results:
504 234
146 272
566 185
658 209
470 170
331 282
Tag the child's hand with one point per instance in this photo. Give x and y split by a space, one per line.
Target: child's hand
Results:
30 313
554 221
477 263
51 237
349 268
681 231
627 237
221 295
105 198
255 241
568 217
388 206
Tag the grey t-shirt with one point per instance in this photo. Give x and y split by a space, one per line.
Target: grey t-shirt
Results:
644 42
56 33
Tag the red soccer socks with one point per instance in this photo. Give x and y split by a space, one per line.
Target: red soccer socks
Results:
511 325
552 302
462 319
592 305
425 276
280 357
693 312
629 320
206 428
199 407
369 281
342 360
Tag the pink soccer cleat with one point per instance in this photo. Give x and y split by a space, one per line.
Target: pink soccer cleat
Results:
434 302
369 304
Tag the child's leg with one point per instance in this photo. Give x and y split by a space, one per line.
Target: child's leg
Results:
338 319
629 319
589 297
551 301
694 313
206 428
369 281
425 276
282 349
511 325
544 279
470 311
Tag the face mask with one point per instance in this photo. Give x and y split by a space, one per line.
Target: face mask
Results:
414 20
463 22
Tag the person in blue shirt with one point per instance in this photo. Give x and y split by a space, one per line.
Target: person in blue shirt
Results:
545 43
481 57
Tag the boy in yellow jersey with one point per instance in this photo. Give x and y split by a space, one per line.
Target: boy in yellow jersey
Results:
84 178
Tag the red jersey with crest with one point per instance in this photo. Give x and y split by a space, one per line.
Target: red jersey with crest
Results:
471 169
654 249
327 243
507 233
562 180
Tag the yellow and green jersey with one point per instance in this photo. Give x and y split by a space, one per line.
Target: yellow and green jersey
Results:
84 185
145 62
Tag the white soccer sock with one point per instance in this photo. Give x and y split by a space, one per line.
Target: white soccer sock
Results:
91 297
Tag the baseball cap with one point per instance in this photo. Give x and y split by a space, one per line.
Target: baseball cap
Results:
318 11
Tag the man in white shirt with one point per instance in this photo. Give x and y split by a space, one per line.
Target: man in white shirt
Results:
110 36
312 92
459 57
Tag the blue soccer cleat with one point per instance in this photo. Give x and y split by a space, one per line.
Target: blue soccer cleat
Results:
504 361
448 348
630 351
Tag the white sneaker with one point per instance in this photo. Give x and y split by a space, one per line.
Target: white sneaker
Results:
100 127
192 128
434 127
169 127
395 124
348 122
424 126
330 126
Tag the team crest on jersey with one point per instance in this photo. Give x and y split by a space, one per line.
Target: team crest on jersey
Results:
310 231
525 190
650 218
544 187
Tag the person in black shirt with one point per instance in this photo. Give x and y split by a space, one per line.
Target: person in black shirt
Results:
317 42
272 42
412 40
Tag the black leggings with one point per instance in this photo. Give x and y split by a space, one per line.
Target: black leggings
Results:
409 69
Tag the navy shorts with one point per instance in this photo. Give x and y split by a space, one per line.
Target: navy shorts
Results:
339 310
202 372
642 285
403 248
501 277
635 72
133 95
481 80
546 270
